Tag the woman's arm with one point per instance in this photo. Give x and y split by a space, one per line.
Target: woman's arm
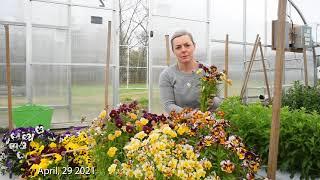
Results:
167 94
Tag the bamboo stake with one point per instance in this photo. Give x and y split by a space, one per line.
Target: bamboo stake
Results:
6 27
253 55
275 125
226 65
106 85
265 73
305 66
167 50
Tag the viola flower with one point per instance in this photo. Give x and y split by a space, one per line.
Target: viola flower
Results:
19 155
103 114
250 176
117 133
227 166
129 129
23 145
132 116
147 129
113 114
119 123
14 146
39 129
112 169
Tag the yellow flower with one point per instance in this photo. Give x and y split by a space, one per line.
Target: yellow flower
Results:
57 157
52 145
229 81
111 137
103 114
207 164
144 121
137 173
35 145
140 135
112 168
117 133
133 116
199 71
167 130
182 129
112 151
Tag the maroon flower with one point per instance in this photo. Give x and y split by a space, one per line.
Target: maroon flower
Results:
113 114
129 129
147 129
162 118
119 123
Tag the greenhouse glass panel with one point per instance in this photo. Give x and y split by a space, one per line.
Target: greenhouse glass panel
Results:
94 3
255 20
188 9
12 10
155 101
89 41
53 49
18 68
235 65
17 44
88 91
227 19
163 26
49 13
272 11
60 118
49 84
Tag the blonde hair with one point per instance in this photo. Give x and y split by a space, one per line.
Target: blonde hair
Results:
179 34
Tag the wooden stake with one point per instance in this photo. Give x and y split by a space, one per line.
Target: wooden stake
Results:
226 65
106 85
305 66
253 55
6 27
265 72
167 50
275 125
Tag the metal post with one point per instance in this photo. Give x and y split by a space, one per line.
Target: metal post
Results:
128 63
208 32
69 68
244 34
115 34
106 85
29 80
149 62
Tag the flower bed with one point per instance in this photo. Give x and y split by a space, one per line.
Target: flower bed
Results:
132 143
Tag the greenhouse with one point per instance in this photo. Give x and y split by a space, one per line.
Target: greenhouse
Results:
83 89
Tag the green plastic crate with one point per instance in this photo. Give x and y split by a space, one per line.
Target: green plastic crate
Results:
32 115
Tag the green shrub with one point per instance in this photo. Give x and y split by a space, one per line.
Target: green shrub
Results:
299 135
300 96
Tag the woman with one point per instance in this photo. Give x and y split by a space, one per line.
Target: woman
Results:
179 83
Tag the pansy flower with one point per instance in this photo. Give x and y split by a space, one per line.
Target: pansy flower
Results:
39 129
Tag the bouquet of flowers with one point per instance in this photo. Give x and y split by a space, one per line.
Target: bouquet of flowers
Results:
210 77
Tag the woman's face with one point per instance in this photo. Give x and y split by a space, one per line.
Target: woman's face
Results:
183 48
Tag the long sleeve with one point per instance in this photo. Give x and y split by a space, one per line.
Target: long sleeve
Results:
167 94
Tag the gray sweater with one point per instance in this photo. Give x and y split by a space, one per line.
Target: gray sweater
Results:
178 89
